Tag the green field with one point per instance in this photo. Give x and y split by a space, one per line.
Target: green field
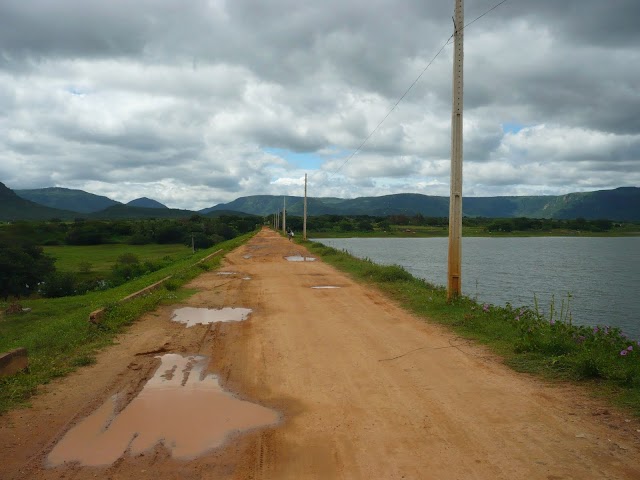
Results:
99 259
56 331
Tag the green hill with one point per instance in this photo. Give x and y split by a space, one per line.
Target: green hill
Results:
13 207
67 199
145 202
622 204
128 212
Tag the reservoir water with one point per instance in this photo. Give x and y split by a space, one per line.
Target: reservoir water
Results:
602 275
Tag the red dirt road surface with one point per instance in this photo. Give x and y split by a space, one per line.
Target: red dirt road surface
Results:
343 384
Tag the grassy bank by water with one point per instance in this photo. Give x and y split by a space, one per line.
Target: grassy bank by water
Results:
599 357
58 336
400 231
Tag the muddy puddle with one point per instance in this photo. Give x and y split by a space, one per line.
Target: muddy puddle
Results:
181 407
202 316
300 258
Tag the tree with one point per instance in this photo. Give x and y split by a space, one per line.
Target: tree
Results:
22 266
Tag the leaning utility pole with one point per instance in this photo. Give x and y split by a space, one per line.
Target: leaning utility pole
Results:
454 282
304 218
284 215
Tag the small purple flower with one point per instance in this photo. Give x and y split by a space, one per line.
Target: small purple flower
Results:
485 307
552 322
630 348
518 318
624 352
595 330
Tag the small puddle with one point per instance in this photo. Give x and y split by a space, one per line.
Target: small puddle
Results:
300 258
326 286
246 278
194 316
181 408
227 273
247 256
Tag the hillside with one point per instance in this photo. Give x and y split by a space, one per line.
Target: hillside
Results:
622 204
13 207
67 199
145 202
126 211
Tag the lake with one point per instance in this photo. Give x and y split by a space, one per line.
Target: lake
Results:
602 275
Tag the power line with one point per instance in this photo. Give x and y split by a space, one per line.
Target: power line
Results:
355 152
408 90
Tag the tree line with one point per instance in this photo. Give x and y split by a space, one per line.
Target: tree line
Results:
26 270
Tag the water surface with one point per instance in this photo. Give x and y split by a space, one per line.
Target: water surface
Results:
602 275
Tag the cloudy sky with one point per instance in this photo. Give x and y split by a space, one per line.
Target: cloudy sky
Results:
198 102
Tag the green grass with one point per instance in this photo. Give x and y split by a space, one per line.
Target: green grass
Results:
59 338
410 231
528 341
100 258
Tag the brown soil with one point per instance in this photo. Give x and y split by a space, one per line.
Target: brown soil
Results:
364 390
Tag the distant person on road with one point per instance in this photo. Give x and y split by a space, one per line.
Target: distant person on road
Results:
290 234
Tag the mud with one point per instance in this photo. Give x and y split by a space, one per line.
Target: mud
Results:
299 258
181 407
194 316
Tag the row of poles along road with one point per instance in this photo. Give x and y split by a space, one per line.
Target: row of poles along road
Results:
454 277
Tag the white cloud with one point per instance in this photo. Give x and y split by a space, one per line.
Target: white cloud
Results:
177 101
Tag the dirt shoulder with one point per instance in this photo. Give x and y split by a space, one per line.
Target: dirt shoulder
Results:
363 389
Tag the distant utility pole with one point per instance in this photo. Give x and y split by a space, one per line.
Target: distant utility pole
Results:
304 218
454 282
284 215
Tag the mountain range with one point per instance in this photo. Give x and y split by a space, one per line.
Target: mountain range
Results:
620 204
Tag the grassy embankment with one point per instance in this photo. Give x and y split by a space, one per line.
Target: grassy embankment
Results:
600 358
57 333
401 231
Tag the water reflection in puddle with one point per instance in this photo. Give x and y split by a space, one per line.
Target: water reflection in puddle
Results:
300 258
326 286
181 408
193 316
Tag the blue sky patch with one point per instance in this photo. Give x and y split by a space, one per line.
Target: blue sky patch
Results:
512 127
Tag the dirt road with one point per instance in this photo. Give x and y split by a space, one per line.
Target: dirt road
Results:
356 389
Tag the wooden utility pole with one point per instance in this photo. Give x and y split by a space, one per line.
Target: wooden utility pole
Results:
304 217
284 215
454 282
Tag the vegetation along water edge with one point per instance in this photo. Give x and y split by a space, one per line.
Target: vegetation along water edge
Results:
600 358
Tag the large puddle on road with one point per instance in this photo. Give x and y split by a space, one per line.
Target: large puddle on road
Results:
181 408
300 258
193 316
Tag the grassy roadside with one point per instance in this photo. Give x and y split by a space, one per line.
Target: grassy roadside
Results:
59 338
600 358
